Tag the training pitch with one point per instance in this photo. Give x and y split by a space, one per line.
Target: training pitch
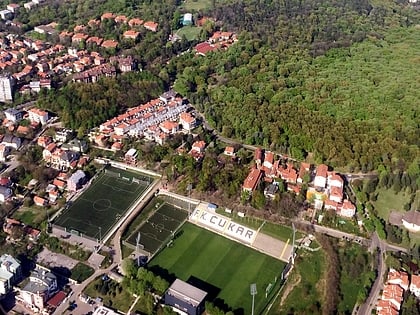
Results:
222 266
102 205
159 227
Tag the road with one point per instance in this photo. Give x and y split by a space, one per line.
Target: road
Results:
78 288
370 302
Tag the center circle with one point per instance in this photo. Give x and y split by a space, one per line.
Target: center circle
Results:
102 205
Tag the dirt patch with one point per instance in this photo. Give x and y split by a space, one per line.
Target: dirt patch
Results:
289 288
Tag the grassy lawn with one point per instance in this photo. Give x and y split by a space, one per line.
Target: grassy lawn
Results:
32 216
280 232
190 32
81 272
305 297
387 200
196 5
220 266
112 293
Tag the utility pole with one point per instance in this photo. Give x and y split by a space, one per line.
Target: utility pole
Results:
189 188
293 244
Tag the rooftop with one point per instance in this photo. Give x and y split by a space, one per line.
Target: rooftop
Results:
186 292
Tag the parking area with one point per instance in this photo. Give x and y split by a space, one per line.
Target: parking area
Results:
51 259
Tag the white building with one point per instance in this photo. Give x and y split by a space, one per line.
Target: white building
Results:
321 176
38 115
13 115
415 285
76 180
10 272
6 88
40 288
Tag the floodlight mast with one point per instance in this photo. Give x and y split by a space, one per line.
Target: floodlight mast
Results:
253 289
137 248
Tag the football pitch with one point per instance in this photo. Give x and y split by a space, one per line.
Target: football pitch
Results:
105 201
158 228
215 263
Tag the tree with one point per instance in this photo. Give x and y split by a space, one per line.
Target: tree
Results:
129 268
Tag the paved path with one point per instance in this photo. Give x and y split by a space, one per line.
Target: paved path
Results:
367 307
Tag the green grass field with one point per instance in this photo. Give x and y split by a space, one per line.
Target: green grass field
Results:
198 255
190 32
102 204
387 200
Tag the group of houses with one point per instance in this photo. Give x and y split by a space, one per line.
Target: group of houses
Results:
156 121
16 229
392 296
13 117
219 40
325 188
40 292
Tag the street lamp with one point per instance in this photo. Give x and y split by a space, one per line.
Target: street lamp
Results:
253 289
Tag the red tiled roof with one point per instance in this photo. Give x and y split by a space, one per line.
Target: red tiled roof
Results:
252 179
57 299
322 170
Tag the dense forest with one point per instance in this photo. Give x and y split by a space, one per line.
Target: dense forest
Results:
353 105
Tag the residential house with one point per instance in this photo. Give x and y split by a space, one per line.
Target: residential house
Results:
59 183
347 209
13 115
75 145
110 43
398 277
204 48
135 22
252 180
393 293
116 146
270 191
415 285
229 151
6 14
131 156
336 194
63 135
187 19
107 16
48 151
198 146
38 115
41 287
131 34
304 170
321 176
169 127
288 174
40 202
385 307
76 181
44 141
411 221
121 19
151 26
13 7
187 121
11 141
79 37
335 180
10 273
